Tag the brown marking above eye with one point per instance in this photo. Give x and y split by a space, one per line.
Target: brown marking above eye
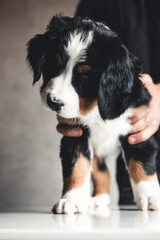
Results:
83 68
59 60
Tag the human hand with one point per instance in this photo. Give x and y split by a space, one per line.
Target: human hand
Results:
68 127
146 121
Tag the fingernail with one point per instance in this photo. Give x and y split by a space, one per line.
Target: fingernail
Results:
76 132
132 140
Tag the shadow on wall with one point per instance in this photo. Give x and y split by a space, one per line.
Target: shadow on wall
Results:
30 169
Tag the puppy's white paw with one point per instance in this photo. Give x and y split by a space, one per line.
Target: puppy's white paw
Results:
100 201
147 195
70 206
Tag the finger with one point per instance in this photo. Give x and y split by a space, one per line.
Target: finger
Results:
145 79
69 121
69 132
142 123
144 135
132 120
139 113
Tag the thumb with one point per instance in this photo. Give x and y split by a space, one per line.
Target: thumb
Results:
145 79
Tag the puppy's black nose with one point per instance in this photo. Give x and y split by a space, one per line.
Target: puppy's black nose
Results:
54 104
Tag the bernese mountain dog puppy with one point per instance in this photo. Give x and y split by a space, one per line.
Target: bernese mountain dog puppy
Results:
89 74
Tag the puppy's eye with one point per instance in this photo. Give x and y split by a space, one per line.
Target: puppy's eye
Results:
59 60
83 68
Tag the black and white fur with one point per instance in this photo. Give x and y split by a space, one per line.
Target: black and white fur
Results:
113 79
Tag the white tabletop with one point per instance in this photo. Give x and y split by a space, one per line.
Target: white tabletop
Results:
126 223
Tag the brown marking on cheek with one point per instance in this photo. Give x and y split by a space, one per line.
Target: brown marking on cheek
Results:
137 172
101 179
86 105
59 60
79 173
83 68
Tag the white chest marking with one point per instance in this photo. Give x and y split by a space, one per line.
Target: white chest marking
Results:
104 135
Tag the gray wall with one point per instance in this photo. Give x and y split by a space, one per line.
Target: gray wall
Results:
30 169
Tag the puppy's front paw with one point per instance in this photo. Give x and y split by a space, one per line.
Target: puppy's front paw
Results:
70 206
100 201
147 195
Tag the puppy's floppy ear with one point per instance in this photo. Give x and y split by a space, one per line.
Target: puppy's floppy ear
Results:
35 55
117 82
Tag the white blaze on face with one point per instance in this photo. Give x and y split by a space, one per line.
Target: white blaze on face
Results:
61 87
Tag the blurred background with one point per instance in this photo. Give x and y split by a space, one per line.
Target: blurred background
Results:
30 168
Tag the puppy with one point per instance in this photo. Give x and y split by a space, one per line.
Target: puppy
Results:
89 74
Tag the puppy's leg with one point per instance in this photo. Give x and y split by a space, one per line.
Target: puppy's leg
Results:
75 157
145 187
142 171
101 182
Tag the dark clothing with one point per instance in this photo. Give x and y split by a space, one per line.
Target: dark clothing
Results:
136 21
138 24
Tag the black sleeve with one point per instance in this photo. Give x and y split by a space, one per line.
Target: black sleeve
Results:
136 21
93 9
85 9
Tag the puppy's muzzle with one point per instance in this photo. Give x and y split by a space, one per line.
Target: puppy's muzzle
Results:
55 105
